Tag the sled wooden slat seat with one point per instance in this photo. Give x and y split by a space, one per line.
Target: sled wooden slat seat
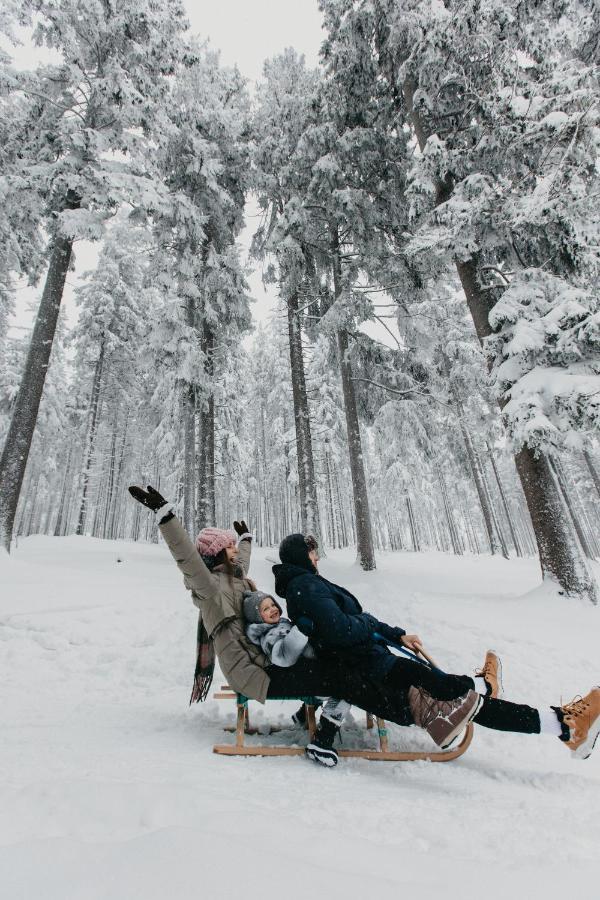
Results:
383 754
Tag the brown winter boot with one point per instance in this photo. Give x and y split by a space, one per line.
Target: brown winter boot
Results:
443 720
582 718
492 674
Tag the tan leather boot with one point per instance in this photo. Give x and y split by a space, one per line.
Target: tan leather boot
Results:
582 718
492 674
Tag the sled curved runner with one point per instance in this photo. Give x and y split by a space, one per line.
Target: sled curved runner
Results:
383 754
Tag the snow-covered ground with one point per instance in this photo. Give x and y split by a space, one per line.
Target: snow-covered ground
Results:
109 789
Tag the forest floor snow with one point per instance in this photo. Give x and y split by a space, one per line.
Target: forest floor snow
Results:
109 789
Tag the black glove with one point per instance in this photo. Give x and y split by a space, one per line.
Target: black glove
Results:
241 528
150 498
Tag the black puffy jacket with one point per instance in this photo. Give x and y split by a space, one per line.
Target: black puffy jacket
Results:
334 620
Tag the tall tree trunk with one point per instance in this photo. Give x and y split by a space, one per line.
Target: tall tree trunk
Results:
309 510
507 513
560 557
112 468
59 527
94 407
189 440
189 453
593 472
564 489
454 537
206 485
412 526
481 491
364 536
22 426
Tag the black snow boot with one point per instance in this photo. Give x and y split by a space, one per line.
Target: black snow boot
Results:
299 717
320 748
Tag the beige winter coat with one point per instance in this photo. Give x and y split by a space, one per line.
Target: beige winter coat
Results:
220 603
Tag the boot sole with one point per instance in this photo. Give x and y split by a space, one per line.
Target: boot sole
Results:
584 751
500 691
454 735
328 758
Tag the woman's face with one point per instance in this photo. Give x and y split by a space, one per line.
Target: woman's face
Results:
231 553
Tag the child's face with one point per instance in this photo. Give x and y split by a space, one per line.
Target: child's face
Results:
269 612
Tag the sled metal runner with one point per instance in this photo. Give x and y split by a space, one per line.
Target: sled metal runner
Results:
383 754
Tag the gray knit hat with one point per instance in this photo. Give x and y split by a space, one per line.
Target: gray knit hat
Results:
252 601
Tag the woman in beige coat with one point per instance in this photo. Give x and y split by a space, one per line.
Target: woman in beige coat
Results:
215 570
216 573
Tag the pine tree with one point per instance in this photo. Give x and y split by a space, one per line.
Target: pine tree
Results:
102 100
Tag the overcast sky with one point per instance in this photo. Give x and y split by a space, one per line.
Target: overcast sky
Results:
246 32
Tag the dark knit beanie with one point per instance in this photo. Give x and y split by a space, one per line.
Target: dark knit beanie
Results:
252 601
294 550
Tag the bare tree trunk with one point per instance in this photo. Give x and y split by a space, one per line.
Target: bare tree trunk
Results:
364 536
564 489
111 478
206 485
309 510
189 446
22 426
454 537
592 470
412 525
513 533
481 491
189 451
560 557
63 503
94 407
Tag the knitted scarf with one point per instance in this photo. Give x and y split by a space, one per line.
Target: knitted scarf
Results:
205 651
205 664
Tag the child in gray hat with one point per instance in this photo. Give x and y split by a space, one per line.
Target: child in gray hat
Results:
282 642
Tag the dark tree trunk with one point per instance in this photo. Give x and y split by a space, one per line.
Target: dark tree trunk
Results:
454 537
25 412
507 513
564 489
364 534
63 506
206 485
94 407
309 509
189 440
592 471
560 557
189 464
481 491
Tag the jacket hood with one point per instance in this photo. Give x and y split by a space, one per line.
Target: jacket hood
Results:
293 550
284 573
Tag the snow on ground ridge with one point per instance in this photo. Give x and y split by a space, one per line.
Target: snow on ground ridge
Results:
110 788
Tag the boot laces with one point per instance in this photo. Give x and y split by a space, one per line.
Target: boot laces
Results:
577 708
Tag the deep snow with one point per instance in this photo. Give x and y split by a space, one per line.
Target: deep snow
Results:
109 788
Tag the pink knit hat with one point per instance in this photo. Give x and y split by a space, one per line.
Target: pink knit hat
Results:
211 541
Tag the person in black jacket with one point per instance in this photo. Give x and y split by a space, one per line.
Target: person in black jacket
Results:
340 631
368 675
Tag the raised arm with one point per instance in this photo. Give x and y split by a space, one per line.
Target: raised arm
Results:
197 577
189 562
244 545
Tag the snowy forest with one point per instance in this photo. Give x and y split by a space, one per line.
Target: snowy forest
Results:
436 176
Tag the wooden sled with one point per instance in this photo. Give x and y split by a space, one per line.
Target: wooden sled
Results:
384 754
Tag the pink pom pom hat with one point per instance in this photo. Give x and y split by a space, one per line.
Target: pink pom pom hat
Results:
211 541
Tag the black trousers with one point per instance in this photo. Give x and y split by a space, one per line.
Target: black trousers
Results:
388 696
